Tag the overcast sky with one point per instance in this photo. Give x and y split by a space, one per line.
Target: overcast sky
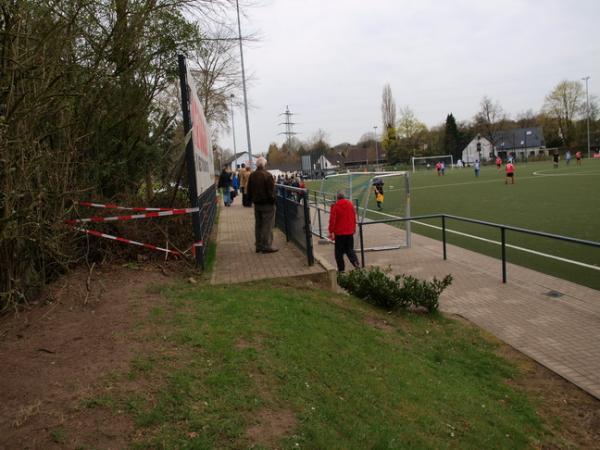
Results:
329 60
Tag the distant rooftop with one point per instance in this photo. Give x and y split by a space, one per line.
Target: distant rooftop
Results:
519 138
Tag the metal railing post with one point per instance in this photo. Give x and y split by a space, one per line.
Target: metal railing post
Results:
362 244
444 235
307 232
503 235
319 218
285 217
503 229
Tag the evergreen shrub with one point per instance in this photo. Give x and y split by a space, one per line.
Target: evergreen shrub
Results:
375 286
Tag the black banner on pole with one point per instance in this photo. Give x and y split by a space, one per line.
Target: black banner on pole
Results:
198 156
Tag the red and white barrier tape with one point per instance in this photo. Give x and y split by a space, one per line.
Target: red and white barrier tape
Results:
171 212
113 206
127 241
154 212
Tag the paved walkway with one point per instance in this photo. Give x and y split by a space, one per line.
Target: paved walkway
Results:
236 259
562 333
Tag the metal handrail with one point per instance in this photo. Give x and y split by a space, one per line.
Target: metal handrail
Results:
503 228
306 210
491 224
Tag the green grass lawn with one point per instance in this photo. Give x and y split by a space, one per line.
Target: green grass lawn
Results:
563 201
304 368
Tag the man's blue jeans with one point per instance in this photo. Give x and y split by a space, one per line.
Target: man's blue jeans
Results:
226 195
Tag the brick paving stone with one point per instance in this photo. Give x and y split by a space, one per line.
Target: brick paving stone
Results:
562 334
236 260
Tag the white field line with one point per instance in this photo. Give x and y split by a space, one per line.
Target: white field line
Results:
536 175
526 250
542 174
515 247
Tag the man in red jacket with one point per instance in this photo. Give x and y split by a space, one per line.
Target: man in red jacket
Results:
342 225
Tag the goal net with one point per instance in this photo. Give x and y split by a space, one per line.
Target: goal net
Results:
360 188
429 162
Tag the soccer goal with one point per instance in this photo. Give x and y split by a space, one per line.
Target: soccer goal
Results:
429 162
359 187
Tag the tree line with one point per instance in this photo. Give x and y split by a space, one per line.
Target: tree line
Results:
89 108
562 117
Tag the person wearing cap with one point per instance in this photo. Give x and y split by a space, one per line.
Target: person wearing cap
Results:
261 189
342 225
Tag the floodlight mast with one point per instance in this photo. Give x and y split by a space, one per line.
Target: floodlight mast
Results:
244 83
376 151
231 97
587 97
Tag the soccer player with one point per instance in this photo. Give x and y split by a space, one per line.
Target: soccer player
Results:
378 196
477 168
555 159
438 168
498 163
510 173
578 156
568 157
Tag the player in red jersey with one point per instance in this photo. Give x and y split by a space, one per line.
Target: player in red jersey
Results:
510 173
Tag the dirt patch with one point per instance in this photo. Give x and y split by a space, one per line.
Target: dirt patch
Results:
570 413
379 323
316 281
56 351
271 425
255 343
577 411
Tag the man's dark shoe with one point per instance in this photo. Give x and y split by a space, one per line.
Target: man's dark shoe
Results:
258 250
270 250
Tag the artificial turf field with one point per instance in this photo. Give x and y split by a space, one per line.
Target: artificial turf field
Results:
564 201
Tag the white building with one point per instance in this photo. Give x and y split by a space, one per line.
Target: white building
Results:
479 149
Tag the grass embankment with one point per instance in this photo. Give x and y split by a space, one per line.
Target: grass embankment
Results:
294 366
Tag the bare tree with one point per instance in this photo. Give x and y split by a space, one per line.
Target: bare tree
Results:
388 108
527 119
490 119
218 75
563 104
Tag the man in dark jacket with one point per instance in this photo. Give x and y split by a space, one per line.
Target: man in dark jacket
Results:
261 189
342 225
225 184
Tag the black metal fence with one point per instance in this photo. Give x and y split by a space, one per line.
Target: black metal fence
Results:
293 218
321 204
207 202
502 228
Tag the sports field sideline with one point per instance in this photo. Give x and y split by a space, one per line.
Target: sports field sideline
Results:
563 201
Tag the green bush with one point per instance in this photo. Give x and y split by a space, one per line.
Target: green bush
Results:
422 292
378 288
